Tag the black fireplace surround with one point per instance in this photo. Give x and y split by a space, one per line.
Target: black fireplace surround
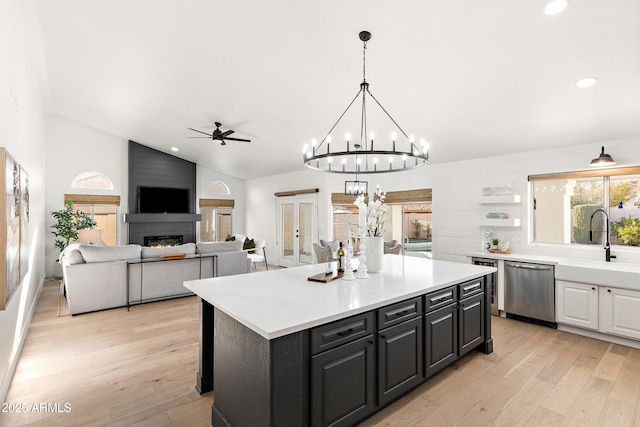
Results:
152 169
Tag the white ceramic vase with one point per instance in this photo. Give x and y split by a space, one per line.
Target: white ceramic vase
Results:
374 251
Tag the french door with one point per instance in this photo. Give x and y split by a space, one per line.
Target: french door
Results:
298 225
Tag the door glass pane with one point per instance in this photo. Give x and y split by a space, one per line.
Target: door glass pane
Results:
306 223
345 222
288 232
417 232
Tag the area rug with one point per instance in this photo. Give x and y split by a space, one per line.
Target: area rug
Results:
63 308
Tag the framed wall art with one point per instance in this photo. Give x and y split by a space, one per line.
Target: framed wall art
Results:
25 239
10 224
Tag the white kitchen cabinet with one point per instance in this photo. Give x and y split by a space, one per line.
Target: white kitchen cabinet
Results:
619 312
577 304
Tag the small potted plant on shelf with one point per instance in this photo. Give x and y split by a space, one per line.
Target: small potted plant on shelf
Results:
494 244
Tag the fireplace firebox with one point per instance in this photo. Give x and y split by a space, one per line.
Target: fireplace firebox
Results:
163 240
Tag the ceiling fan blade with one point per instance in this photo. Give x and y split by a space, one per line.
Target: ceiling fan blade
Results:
207 137
199 131
226 133
238 139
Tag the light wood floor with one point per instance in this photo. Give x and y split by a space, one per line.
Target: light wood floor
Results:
139 368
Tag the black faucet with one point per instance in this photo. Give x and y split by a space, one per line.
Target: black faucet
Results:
607 246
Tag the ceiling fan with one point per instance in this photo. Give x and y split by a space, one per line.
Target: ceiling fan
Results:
219 135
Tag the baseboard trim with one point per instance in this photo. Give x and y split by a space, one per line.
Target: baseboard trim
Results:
13 363
600 336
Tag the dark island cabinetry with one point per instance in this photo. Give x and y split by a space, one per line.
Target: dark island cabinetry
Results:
454 323
342 371
267 370
400 349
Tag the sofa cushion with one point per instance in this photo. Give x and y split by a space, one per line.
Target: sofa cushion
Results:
186 248
215 247
96 253
71 255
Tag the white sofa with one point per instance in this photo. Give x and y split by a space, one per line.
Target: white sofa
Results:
98 277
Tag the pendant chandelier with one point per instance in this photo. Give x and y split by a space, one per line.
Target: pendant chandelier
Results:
362 156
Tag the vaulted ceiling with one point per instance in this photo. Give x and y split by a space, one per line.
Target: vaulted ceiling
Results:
476 78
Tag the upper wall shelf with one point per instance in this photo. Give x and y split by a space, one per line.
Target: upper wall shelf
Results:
499 222
512 198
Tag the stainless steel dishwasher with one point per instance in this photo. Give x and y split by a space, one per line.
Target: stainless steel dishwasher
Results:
530 292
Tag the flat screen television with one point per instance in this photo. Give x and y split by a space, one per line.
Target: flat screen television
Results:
163 200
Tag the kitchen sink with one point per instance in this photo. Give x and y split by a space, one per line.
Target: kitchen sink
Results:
617 274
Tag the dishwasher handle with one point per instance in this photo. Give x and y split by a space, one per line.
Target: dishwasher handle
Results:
529 266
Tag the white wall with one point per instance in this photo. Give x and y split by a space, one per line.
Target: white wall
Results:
22 133
457 190
237 193
261 206
72 149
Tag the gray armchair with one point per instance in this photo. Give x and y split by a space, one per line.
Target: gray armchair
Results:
323 253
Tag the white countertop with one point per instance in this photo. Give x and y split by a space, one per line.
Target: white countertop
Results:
279 302
614 274
518 257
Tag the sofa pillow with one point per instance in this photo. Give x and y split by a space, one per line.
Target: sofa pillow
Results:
205 248
186 248
248 244
95 253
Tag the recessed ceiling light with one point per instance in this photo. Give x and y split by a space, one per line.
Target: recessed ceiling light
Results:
174 149
586 82
554 7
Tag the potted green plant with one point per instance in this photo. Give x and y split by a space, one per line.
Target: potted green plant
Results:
68 222
494 244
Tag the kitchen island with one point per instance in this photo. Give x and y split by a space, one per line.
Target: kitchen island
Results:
279 350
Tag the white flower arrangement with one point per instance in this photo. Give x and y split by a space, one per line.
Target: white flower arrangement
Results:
376 219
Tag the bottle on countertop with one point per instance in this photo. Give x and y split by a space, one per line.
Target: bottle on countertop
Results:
340 259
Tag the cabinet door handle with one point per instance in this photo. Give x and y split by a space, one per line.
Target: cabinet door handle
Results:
347 332
383 336
403 313
608 290
371 341
593 288
471 288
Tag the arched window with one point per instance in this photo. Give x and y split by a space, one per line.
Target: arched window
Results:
94 180
217 188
